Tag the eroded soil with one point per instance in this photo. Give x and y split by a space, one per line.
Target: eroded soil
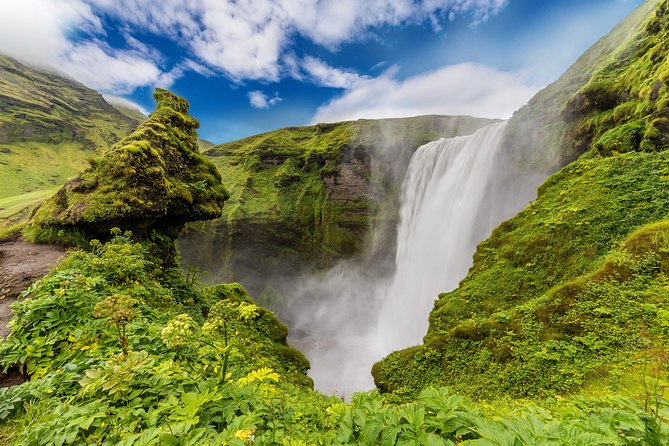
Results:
21 263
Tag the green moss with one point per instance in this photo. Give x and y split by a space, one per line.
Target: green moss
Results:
287 174
624 105
154 178
621 139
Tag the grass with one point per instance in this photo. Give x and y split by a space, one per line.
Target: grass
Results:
27 167
11 206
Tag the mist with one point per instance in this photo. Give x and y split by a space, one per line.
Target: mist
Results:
352 315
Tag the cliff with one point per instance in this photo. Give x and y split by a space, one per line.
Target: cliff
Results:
304 197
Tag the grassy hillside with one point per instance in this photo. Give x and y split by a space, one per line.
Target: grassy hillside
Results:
571 294
308 195
49 127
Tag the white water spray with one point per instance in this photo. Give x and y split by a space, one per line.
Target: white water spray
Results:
347 319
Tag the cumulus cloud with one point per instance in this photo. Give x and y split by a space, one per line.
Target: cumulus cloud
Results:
463 89
104 68
261 101
252 39
241 39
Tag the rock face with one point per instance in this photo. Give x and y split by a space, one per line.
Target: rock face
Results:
155 178
304 197
568 294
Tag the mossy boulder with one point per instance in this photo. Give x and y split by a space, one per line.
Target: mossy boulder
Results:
154 179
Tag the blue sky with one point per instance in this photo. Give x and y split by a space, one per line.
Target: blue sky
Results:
249 66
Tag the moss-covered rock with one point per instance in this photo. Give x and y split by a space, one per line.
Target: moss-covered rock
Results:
154 179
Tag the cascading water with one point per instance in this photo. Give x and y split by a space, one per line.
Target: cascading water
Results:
348 319
442 195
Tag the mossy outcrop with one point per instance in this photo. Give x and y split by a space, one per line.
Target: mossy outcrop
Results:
571 294
625 105
154 179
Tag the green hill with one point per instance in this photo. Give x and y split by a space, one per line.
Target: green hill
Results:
49 126
571 294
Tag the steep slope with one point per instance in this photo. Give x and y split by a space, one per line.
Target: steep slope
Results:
571 294
46 118
535 131
307 196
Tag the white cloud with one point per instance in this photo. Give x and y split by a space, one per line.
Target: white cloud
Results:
118 100
243 39
251 39
103 68
37 32
33 30
261 101
327 76
463 89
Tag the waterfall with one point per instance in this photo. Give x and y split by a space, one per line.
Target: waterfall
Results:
442 195
347 319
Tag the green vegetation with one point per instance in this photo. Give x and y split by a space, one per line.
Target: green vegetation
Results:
566 305
14 205
624 105
155 179
118 354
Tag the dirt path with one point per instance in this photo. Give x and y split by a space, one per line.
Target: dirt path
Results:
21 263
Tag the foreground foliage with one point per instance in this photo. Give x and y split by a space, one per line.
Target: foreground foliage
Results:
120 352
